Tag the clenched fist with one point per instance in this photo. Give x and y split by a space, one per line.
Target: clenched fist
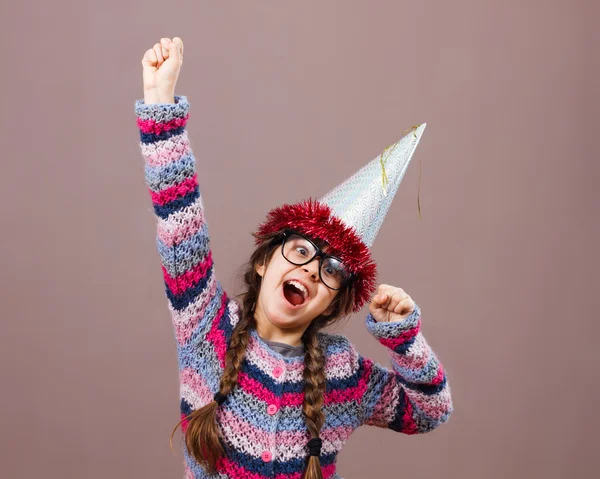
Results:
391 304
160 69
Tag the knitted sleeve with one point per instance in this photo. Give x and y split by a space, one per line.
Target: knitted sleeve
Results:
414 397
195 298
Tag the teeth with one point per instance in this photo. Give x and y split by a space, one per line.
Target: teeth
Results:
300 286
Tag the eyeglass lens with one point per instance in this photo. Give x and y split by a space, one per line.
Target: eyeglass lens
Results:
298 250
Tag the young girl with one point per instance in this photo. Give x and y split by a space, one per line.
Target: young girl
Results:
265 393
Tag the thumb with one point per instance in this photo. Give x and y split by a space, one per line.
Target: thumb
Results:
150 62
378 301
176 49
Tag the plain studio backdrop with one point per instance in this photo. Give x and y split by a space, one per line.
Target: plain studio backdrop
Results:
288 99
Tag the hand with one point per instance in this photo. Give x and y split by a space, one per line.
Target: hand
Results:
391 304
160 69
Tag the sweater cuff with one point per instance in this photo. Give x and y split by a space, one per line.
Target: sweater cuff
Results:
394 330
163 112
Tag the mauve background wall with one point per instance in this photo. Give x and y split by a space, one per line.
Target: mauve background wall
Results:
288 99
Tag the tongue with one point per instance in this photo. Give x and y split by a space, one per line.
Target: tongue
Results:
292 295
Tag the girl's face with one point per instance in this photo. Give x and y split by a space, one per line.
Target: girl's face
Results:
278 298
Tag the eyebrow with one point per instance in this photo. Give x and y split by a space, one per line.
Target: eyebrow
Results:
322 244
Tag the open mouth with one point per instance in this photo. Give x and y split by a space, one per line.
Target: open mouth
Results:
295 293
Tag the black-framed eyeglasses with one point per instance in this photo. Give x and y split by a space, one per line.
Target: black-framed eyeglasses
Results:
299 250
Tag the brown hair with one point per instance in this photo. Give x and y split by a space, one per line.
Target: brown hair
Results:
202 435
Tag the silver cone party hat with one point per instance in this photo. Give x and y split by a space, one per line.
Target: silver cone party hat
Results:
363 200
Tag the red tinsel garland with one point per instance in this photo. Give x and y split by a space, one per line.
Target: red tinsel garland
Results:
316 220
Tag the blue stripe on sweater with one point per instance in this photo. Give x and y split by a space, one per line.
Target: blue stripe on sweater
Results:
178 204
427 389
424 422
187 254
182 301
332 384
424 375
333 344
147 138
161 177
349 382
257 466
225 324
397 423
377 382
252 411
404 347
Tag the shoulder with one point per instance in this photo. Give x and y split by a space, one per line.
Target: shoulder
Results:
332 343
341 357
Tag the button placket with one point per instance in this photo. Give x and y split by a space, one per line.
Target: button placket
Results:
272 409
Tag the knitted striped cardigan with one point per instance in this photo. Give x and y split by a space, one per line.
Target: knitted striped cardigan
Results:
262 423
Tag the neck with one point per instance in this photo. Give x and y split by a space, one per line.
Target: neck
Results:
269 332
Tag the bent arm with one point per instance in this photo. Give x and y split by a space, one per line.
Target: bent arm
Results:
413 397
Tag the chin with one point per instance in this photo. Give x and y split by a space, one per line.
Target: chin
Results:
281 320
283 317
285 326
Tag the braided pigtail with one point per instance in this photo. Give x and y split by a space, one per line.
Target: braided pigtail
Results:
314 390
202 434
314 377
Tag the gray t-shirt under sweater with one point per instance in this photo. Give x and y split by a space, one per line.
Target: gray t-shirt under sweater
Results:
285 349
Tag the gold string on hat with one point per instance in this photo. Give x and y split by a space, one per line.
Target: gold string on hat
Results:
384 178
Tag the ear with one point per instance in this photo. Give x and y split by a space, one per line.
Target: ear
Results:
260 269
329 310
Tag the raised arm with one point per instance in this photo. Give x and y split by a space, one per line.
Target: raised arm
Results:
195 298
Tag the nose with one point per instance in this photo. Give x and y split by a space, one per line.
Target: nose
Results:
312 268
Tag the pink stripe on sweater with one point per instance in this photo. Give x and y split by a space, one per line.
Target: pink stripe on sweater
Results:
406 336
416 358
255 388
433 407
284 439
184 422
252 386
259 355
186 321
440 376
235 428
181 225
175 192
408 423
419 357
341 365
157 127
351 394
196 383
234 470
216 335
333 438
165 152
384 410
180 284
